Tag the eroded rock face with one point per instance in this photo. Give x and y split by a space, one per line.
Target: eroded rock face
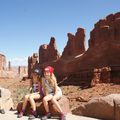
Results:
101 75
75 44
75 48
48 53
103 51
104 44
32 62
2 62
104 48
106 30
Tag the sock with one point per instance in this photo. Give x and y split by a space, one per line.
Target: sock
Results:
47 113
62 113
23 110
34 113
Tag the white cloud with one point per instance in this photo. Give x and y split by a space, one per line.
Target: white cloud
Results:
22 61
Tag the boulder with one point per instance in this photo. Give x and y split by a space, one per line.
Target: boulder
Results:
117 109
6 101
64 103
107 108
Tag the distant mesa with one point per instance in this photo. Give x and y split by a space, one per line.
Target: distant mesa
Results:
11 71
2 61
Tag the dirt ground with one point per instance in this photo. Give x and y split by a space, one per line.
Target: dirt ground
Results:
75 94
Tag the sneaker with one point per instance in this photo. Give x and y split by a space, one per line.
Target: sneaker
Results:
47 116
31 117
20 115
62 117
2 111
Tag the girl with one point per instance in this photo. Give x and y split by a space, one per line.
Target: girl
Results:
36 93
51 92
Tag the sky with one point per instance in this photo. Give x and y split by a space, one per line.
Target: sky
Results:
27 24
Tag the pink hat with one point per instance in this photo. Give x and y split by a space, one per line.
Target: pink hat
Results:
49 69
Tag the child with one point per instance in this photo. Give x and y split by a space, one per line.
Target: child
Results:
51 92
36 89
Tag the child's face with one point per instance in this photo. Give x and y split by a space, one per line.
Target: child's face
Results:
47 74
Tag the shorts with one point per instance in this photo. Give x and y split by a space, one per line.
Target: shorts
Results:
59 92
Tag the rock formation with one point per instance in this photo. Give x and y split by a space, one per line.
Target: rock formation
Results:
32 62
6 72
2 62
104 47
48 53
103 51
75 47
22 70
75 44
101 75
9 65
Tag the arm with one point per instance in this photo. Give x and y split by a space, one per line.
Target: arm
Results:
31 82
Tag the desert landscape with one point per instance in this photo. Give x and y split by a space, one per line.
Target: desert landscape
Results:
88 78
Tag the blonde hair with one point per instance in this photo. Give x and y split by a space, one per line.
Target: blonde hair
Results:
52 80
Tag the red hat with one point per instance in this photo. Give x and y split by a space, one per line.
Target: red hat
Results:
49 69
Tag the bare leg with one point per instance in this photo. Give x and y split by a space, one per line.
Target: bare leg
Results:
32 99
45 102
26 99
55 102
24 106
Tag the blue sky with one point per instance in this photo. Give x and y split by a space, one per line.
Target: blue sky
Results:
27 24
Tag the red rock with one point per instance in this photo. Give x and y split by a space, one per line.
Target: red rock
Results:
64 103
75 44
32 63
48 53
103 51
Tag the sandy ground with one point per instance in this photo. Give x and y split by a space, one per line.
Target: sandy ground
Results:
11 115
